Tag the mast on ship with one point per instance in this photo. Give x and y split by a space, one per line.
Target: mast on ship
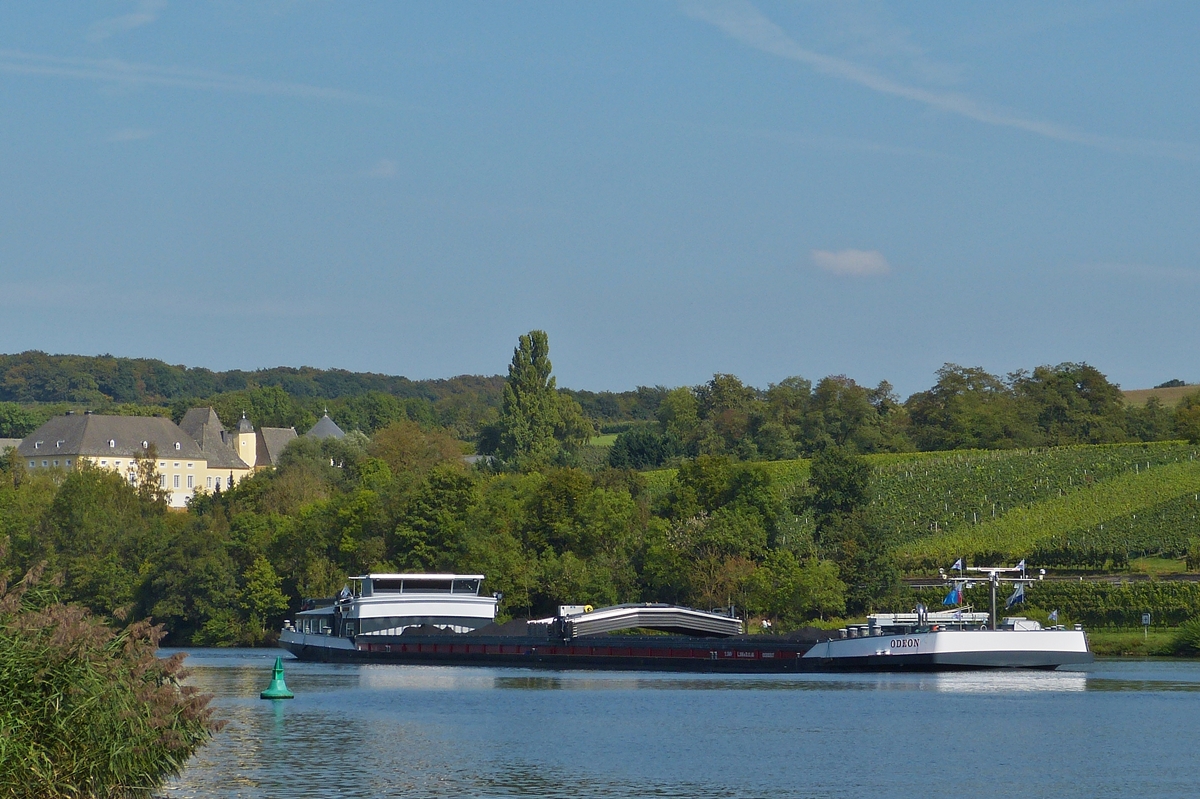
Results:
995 576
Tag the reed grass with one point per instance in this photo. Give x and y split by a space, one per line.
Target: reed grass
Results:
87 710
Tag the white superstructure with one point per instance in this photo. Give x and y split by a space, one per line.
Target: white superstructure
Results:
952 639
956 639
388 604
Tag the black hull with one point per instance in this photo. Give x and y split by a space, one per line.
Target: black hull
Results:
762 656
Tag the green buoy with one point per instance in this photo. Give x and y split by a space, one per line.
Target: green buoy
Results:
278 688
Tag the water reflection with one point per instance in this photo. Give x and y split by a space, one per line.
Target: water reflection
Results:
373 731
955 682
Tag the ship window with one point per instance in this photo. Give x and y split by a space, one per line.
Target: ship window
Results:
426 587
386 586
466 586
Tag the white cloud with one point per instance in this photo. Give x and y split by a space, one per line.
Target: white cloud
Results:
115 71
384 168
147 12
855 263
131 134
744 23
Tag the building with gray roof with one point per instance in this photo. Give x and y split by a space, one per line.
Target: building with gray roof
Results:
325 428
272 441
116 443
206 430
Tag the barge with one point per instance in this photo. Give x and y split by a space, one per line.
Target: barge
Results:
442 619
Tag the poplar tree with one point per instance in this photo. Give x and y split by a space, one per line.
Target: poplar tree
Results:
536 422
529 414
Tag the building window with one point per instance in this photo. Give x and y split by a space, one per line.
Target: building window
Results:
56 463
32 464
208 482
43 463
176 481
133 478
190 465
176 464
68 461
162 481
145 444
102 463
112 442
177 445
218 483
190 485
37 445
117 464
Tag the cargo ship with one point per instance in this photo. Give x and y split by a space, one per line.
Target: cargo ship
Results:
443 619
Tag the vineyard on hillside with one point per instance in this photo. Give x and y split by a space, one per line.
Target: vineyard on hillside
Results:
962 490
1083 506
1087 523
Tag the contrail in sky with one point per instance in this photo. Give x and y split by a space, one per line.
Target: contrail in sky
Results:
745 23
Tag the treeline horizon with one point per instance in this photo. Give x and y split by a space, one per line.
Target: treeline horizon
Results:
550 523
966 408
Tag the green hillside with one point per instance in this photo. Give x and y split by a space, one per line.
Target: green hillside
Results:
1080 506
1100 523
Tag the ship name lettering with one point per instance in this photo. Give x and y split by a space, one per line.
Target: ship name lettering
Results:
904 643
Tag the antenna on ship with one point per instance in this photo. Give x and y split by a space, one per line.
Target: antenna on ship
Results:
994 579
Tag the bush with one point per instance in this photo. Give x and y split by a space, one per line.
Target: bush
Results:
86 710
1187 638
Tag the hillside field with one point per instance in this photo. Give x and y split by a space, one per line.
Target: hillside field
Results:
1082 507
1169 397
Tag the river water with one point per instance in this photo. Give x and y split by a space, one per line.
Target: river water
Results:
1118 729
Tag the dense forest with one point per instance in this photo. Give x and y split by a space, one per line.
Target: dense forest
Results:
795 503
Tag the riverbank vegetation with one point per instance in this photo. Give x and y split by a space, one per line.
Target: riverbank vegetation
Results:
86 710
682 503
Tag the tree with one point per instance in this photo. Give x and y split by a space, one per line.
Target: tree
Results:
839 481
970 408
1075 404
1187 417
536 422
643 447
264 599
840 492
405 447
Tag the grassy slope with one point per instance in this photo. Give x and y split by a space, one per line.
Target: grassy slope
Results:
1022 529
936 502
1168 396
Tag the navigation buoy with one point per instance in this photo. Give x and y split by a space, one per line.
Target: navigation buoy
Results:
278 688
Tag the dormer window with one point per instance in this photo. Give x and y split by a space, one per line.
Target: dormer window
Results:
112 442
145 444
37 445
177 445
60 442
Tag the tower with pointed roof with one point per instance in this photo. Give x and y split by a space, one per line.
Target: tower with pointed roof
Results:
244 442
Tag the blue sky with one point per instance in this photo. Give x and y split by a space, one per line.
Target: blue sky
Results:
669 189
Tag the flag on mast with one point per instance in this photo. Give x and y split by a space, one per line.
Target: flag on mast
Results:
1054 615
954 597
1021 565
1017 596
958 564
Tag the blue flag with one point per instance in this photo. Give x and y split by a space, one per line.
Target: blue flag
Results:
1017 596
952 598
957 564
1054 615
1021 565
